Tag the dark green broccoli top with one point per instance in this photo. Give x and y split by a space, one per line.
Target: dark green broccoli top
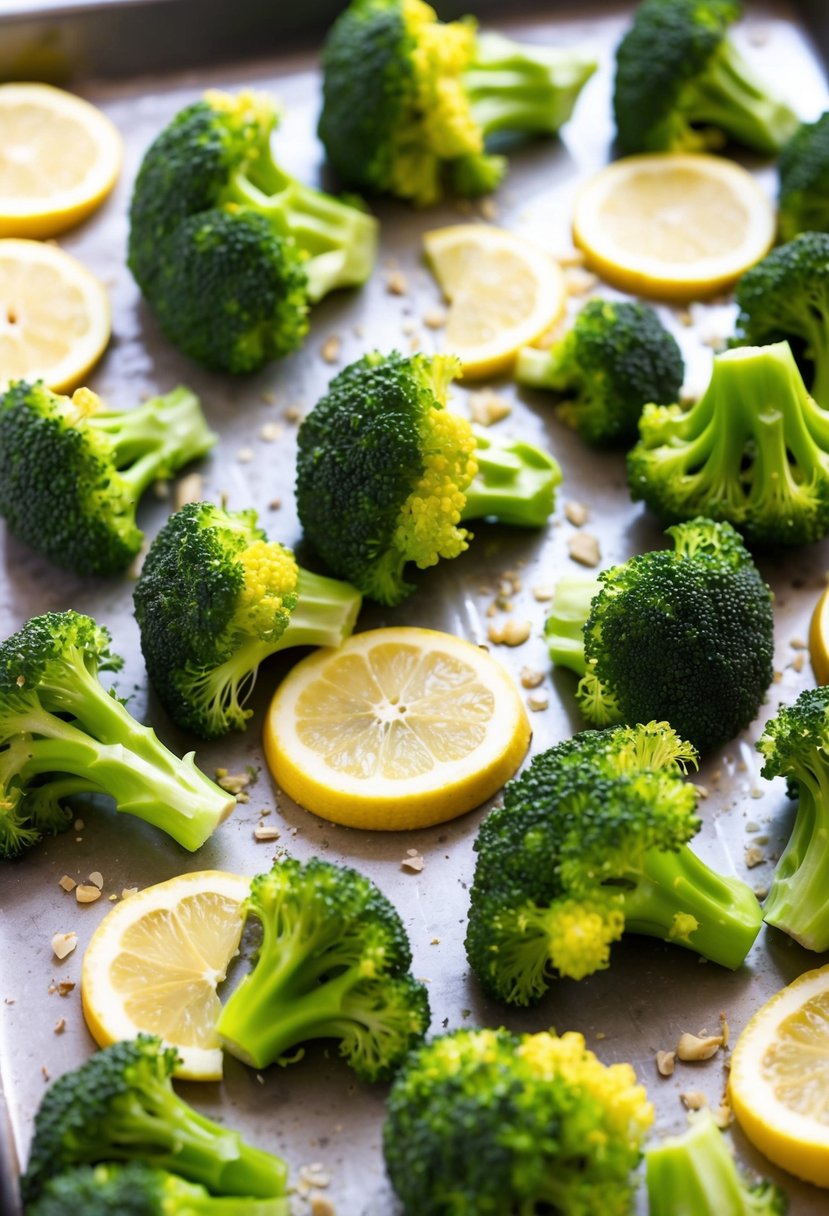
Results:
803 167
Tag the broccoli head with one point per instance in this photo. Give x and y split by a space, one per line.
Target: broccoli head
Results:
785 297
803 169
333 964
682 85
227 248
214 599
683 634
591 842
485 1123
136 1189
409 101
614 359
72 471
795 745
695 1175
120 1106
386 475
753 450
62 735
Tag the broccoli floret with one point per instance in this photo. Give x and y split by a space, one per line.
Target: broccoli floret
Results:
753 450
683 634
682 85
485 1123
591 842
136 1189
785 297
227 248
614 359
333 964
386 475
62 734
214 599
72 471
795 745
120 1106
695 1175
803 169
409 102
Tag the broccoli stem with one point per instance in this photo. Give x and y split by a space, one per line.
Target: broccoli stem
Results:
157 438
515 483
564 629
325 614
538 369
107 751
730 96
516 87
339 239
797 900
695 1175
678 898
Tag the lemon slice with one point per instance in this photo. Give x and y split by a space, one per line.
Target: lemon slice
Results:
779 1078
54 316
59 159
819 639
155 960
397 728
673 225
503 293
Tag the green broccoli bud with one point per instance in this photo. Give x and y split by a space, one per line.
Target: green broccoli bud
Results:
386 475
803 169
591 843
62 734
214 599
72 471
684 634
227 248
486 1122
614 359
682 85
694 1174
120 1106
333 964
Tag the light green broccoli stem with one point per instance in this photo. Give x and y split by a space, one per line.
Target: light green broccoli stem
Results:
514 86
109 752
732 97
325 614
569 611
515 483
797 903
181 1140
233 1205
339 239
544 368
155 440
695 1175
677 897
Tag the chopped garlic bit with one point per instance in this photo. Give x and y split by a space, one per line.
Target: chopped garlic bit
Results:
97 879
510 633
127 892
60 1026
63 944
244 455
67 883
65 987
331 348
293 413
321 1205
531 678
576 513
724 1029
435 318
396 283
86 893
693 1099
584 549
264 831
665 1061
754 856
537 701
723 1116
487 407
270 432
543 593
413 862
692 1047
189 488
234 783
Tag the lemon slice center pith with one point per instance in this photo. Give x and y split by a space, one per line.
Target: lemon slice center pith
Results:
796 1065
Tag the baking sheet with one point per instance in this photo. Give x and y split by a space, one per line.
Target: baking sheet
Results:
316 1111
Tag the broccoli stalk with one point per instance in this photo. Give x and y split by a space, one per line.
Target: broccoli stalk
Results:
486 1122
409 101
614 359
121 1106
386 474
227 248
682 85
684 634
214 599
56 718
753 450
694 1174
333 963
794 745
136 1189
72 471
